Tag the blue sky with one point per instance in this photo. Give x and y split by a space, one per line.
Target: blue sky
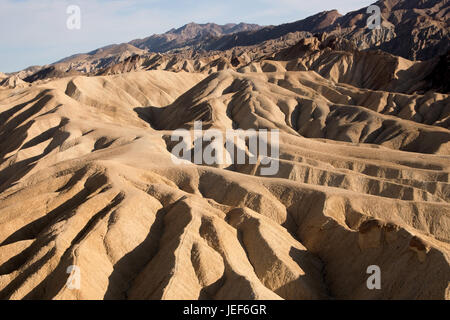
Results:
34 32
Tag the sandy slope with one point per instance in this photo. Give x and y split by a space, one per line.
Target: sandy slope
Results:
303 102
86 179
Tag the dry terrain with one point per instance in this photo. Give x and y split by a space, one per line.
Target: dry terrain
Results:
87 177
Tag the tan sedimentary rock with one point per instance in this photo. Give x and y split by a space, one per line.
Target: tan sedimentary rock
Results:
87 179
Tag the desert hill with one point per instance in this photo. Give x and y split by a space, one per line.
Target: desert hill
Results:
88 178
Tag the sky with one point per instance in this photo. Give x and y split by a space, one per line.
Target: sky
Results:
34 32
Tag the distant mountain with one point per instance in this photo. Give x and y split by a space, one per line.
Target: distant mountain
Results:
191 35
100 58
311 24
412 29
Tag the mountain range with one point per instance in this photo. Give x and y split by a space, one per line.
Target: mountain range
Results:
412 29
